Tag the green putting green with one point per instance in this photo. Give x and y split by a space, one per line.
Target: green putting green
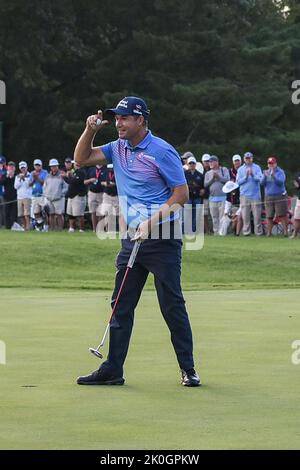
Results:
242 341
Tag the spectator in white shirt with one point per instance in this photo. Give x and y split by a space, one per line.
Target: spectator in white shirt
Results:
24 195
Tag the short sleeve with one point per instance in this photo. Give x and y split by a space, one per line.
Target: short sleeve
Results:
171 169
108 151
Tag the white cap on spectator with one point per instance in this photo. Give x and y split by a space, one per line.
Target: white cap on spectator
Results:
23 165
110 165
192 160
37 161
236 158
53 162
205 157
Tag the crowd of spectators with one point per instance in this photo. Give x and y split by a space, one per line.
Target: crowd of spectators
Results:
59 197
243 199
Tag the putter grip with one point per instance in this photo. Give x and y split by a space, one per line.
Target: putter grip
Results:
134 252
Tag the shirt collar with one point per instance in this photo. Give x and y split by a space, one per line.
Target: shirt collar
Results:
143 144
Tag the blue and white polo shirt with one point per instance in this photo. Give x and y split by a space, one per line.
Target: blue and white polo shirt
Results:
144 174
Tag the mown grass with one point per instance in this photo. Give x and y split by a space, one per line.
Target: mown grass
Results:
82 261
242 345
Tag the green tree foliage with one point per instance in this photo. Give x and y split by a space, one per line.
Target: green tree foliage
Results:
216 74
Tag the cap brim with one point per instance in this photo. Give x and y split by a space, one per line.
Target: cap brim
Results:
124 112
121 111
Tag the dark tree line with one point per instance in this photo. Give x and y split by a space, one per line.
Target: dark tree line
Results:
217 74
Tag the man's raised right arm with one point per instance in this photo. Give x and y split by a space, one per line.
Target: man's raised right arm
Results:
85 154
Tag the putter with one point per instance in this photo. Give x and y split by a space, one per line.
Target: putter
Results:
130 263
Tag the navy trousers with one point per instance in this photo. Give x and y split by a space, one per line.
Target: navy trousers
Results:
163 259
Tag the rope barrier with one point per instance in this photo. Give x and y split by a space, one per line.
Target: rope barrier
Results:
255 203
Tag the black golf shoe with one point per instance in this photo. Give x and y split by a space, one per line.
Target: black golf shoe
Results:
100 377
190 378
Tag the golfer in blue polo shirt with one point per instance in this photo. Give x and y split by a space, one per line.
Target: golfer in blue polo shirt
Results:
150 182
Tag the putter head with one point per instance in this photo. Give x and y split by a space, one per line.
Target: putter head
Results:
96 353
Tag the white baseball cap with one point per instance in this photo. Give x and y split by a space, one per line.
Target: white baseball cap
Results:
205 157
37 161
191 160
53 162
23 165
229 186
236 158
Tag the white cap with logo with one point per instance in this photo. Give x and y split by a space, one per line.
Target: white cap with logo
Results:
53 162
191 160
205 157
22 165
